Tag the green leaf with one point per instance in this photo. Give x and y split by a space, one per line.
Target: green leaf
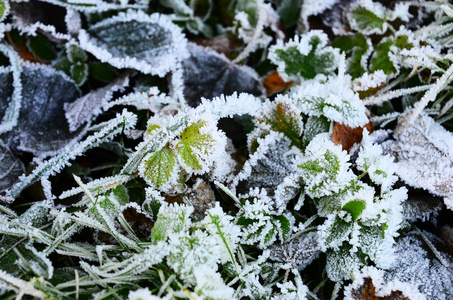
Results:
79 72
337 231
159 166
355 47
192 139
355 208
314 126
381 59
289 11
363 20
121 194
63 65
4 9
285 226
175 218
286 118
42 48
341 263
308 66
76 54
102 71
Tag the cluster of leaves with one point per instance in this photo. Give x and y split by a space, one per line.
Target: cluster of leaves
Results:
223 150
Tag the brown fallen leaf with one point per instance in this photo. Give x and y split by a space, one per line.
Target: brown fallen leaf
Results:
367 291
274 84
23 51
346 136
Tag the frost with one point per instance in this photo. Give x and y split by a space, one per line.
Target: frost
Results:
151 44
171 219
190 252
332 98
268 167
304 57
85 109
208 74
423 154
10 167
415 266
42 128
325 168
142 294
227 234
210 284
299 252
380 168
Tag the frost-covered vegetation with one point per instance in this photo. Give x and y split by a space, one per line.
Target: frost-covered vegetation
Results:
236 149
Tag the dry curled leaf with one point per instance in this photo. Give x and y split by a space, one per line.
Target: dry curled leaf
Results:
274 84
367 291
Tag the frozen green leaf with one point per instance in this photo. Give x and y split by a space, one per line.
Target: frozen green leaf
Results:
355 208
4 9
289 11
314 126
76 54
159 167
102 71
42 48
79 72
194 145
364 20
151 44
171 219
304 57
336 232
381 59
341 263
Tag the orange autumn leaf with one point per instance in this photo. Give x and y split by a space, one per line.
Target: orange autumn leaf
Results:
23 51
346 136
274 84
367 291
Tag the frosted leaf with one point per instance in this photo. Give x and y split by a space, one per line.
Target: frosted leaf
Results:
85 109
299 252
11 92
4 9
151 44
342 263
332 98
379 167
142 294
358 49
208 74
42 128
267 167
283 116
29 257
10 282
160 167
259 224
304 57
189 252
424 156
325 168
420 206
416 266
210 284
35 16
10 167
370 17
107 131
221 227
313 127
171 219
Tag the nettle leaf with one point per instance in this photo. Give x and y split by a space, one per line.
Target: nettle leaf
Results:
10 167
42 127
368 21
283 116
423 154
208 74
334 231
158 167
151 44
304 57
325 168
357 48
194 145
